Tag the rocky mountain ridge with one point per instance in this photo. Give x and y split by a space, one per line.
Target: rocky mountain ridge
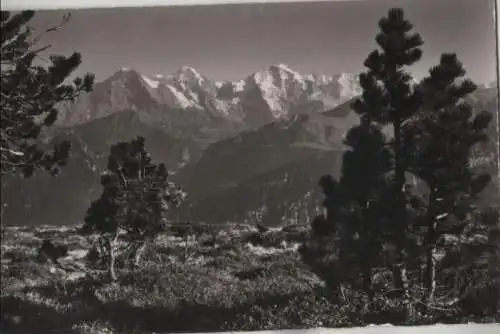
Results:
189 104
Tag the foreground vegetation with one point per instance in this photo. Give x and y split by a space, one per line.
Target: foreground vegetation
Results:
218 281
219 276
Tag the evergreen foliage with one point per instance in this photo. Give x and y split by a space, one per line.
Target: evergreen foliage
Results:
441 138
389 97
30 94
136 199
376 221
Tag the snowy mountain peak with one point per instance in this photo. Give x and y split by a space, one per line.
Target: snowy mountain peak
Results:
125 76
127 80
282 67
187 68
125 71
348 81
275 76
152 83
189 73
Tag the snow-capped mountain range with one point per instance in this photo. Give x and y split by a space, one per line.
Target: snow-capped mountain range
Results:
260 98
279 85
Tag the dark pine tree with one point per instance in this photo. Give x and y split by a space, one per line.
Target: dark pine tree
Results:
443 135
389 98
321 252
365 164
29 96
348 238
136 198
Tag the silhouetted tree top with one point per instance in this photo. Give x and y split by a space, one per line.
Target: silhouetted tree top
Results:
136 192
444 133
387 89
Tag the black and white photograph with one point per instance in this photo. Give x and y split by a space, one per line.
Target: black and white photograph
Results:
326 165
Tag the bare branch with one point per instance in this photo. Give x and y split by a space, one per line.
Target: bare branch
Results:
56 28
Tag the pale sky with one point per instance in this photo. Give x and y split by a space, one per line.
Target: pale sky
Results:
228 42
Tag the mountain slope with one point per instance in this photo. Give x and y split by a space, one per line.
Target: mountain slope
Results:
285 195
270 175
231 161
44 199
99 135
127 90
60 200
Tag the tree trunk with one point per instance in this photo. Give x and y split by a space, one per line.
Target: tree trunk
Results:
401 278
187 248
367 283
341 295
366 263
399 168
430 275
430 244
409 308
397 277
401 283
3 208
138 254
112 258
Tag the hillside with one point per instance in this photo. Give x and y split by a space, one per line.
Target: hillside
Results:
63 199
282 196
273 170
